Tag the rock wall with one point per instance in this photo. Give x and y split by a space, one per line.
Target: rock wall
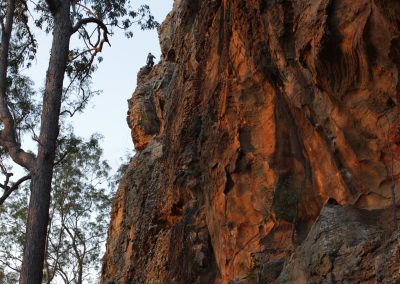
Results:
345 245
258 113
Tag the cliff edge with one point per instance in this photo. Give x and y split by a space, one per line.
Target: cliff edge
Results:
268 147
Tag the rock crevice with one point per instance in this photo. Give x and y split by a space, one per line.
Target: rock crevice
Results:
258 113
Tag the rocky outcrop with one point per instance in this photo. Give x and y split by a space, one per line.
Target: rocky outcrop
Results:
345 245
258 113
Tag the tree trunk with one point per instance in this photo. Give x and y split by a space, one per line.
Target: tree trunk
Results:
80 271
38 215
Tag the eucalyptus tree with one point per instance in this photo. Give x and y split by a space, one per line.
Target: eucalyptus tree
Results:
79 213
90 22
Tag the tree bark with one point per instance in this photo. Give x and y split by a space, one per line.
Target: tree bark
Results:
8 136
80 271
38 215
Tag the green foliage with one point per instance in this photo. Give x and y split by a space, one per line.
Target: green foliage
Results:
81 64
124 164
81 200
8 278
80 195
12 227
23 104
23 45
79 211
114 15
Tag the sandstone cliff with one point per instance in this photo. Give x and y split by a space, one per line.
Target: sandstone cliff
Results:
258 113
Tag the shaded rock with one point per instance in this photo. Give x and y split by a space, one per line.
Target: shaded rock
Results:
258 113
346 245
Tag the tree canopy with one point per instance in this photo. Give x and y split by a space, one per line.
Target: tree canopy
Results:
79 214
80 30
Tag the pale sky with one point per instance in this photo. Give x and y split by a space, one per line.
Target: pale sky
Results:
116 77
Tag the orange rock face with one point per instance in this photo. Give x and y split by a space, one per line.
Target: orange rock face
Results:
257 114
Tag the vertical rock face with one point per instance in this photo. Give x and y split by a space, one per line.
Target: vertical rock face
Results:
258 113
345 245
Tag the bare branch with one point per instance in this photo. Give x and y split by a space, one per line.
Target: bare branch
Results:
13 188
93 49
98 46
8 176
34 137
80 106
37 6
25 21
9 266
63 156
87 38
81 53
92 20
90 12
73 239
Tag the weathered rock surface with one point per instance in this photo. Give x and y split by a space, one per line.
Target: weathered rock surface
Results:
258 112
346 245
